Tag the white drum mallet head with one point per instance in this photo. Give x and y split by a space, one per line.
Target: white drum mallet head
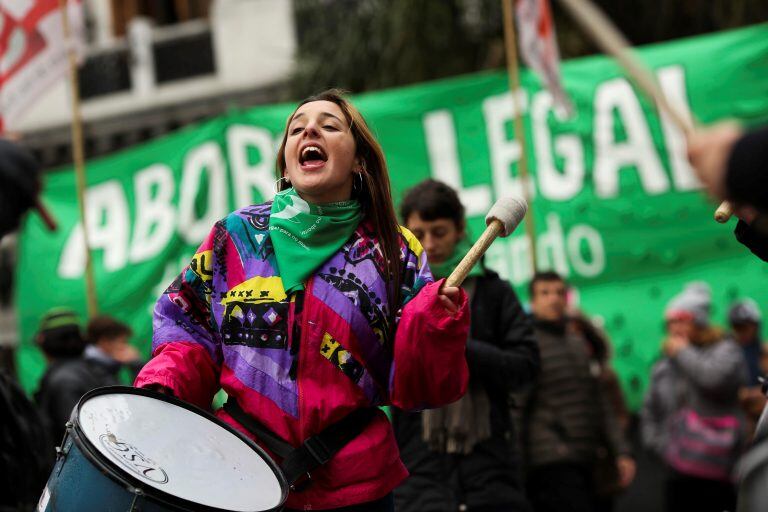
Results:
509 211
502 219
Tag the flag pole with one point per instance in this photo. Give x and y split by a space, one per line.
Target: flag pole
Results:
513 72
79 159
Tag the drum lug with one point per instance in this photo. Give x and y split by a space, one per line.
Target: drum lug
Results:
138 498
63 449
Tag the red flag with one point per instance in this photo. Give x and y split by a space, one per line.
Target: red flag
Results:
33 52
538 47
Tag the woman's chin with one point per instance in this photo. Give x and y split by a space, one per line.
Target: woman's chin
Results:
321 193
310 185
321 186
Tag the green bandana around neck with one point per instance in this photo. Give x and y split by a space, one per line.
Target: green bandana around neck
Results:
444 269
305 235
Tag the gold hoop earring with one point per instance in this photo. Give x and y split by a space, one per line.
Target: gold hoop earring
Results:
278 180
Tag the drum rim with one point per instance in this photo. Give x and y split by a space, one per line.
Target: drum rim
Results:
118 474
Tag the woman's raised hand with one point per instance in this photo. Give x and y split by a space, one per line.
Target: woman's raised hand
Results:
449 297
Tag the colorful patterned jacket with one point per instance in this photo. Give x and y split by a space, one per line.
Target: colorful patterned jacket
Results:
301 363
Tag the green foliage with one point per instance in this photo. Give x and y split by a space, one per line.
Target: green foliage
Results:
362 45
372 44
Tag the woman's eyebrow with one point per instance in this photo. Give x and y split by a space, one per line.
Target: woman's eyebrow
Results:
324 114
328 114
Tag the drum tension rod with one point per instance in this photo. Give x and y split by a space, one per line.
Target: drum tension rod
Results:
63 449
135 504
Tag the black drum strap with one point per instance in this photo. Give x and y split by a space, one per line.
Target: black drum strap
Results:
299 463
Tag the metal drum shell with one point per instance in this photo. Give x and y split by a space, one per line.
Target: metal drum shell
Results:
146 498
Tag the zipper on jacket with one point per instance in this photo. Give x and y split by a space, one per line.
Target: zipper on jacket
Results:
303 323
297 307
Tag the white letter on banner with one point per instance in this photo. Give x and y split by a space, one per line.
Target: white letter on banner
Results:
638 150
499 113
555 185
672 82
444 162
72 262
152 212
245 175
596 248
552 242
205 157
107 214
520 254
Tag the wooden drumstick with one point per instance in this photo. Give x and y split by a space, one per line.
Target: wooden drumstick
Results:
605 34
724 212
501 220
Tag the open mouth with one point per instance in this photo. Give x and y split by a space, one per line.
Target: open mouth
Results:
312 157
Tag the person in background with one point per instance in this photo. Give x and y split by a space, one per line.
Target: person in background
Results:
459 456
745 320
608 480
567 415
68 375
731 165
691 417
108 350
20 186
26 455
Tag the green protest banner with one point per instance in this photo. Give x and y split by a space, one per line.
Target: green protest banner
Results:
617 207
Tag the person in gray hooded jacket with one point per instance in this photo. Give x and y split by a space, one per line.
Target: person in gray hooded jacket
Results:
693 392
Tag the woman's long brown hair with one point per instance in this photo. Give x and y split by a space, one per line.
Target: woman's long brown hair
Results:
375 196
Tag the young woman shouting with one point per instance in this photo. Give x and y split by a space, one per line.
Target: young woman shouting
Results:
314 309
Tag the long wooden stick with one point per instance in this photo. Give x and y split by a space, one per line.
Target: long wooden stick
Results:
513 71
608 38
494 229
611 41
79 160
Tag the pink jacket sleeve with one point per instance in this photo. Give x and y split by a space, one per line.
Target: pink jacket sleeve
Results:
430 365
186 349
184 368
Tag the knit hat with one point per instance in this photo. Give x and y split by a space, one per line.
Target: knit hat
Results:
694 303
60 335
58 318
744 311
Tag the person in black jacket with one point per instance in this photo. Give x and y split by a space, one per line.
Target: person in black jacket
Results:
69 375
576 454
732 165
109 352
461 457
26 454
752 231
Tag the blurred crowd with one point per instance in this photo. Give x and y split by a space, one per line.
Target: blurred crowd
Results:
77 360
558 434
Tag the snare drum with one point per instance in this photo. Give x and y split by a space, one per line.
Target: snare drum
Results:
128 449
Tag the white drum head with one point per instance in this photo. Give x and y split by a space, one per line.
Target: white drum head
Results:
179 452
